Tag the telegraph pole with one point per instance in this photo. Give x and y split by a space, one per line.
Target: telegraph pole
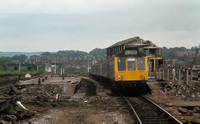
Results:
55 68
19 66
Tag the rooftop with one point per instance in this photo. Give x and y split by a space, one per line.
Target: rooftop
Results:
137 41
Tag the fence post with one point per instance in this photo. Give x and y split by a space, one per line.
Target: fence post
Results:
163 73
39 82
187 77
179 78
168 74
63 78
19 77
150 73
159 74
173 74
156 74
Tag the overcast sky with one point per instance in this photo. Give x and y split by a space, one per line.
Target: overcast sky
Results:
52 25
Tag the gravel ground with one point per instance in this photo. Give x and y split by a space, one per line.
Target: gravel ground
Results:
92 104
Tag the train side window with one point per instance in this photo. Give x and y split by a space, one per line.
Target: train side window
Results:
140 64
121 64
131 64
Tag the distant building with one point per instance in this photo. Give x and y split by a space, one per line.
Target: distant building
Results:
34 60
71 61
177 63
196 64
187 53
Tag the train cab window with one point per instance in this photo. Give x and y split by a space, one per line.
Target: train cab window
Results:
121 64
131 64
140 64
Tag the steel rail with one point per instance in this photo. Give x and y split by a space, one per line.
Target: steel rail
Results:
135 114
175 120
167 114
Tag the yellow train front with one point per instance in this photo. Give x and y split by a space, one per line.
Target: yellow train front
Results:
127 70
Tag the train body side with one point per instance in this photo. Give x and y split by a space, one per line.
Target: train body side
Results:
96 70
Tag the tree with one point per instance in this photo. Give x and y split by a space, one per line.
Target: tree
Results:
3 63
21 58
6 59
71 53
47 54
97 52
164 52
34 56
182 49
172 53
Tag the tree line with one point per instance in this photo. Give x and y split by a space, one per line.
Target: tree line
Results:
172 52
97 52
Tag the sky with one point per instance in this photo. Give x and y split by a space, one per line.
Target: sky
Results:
52 25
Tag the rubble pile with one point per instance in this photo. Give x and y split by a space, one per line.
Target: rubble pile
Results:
40 93
181 91
180 99
20 100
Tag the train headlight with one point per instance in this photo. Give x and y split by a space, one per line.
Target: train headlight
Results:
141 76
119 78
144 78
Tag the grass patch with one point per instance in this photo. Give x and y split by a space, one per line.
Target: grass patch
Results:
191 119
13 109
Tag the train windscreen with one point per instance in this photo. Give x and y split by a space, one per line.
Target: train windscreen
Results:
121 64
140 64
131 64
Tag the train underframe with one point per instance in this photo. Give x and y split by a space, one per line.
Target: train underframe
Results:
136 87
127 87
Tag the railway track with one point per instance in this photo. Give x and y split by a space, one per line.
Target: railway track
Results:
147 112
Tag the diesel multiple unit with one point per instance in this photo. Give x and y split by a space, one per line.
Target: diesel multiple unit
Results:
129 63
127 68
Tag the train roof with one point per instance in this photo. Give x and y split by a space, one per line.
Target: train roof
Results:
133 42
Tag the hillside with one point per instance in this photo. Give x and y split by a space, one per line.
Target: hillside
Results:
11 54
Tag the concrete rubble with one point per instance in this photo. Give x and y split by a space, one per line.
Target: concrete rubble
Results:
180 99
17 101
182 91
